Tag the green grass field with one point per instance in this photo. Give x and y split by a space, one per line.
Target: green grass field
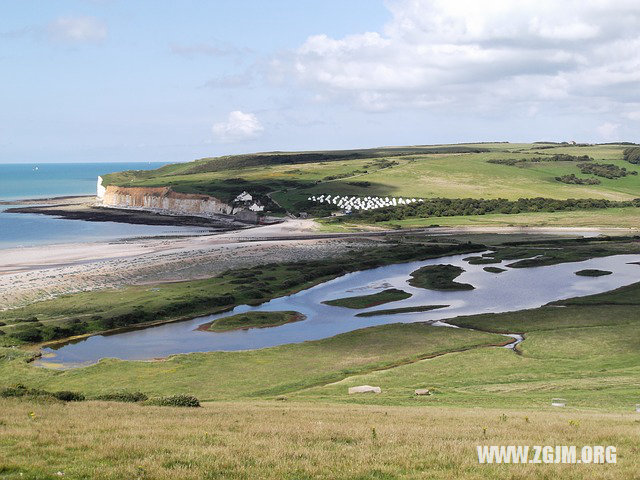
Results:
586 352
264 373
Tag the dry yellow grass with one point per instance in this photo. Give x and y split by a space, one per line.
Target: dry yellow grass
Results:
100 440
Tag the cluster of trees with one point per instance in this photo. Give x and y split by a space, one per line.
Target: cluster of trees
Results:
560 157
573 180
606 170
447 207
632 155
507 161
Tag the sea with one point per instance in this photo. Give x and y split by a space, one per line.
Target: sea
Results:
46 180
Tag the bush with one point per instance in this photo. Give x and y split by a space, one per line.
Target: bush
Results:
27 320
606 170
632 155
74 327
30 335
572 179
176 401
20 390
67 396
131 397
561 157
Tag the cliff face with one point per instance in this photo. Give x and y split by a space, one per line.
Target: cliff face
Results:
163 200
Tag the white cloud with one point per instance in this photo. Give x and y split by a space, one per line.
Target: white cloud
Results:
609 131
77 29
239 126
481 55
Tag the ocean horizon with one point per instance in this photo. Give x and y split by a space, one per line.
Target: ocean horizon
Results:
46 180
42 180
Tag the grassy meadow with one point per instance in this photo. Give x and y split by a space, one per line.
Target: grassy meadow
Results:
287 440
586 352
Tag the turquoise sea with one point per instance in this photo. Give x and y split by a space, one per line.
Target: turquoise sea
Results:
21 181
43 180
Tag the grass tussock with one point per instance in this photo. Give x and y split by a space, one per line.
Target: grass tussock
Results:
438 277
366 301
244 321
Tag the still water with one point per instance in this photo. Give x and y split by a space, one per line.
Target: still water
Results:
29 229
515 289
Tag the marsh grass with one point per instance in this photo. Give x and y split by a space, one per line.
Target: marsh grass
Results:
366 301
393 311
592 272
438 277
244 321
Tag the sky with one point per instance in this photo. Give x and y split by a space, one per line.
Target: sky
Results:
160 80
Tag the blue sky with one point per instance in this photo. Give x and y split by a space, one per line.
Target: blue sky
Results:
116 80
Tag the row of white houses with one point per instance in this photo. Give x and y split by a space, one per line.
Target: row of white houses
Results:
349 203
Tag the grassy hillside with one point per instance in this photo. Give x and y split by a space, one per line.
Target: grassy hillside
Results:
453 171
586 352
284 412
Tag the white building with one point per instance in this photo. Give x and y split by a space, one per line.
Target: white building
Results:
244 197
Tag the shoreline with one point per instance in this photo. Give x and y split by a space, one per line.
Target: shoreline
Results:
50 200
88 211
